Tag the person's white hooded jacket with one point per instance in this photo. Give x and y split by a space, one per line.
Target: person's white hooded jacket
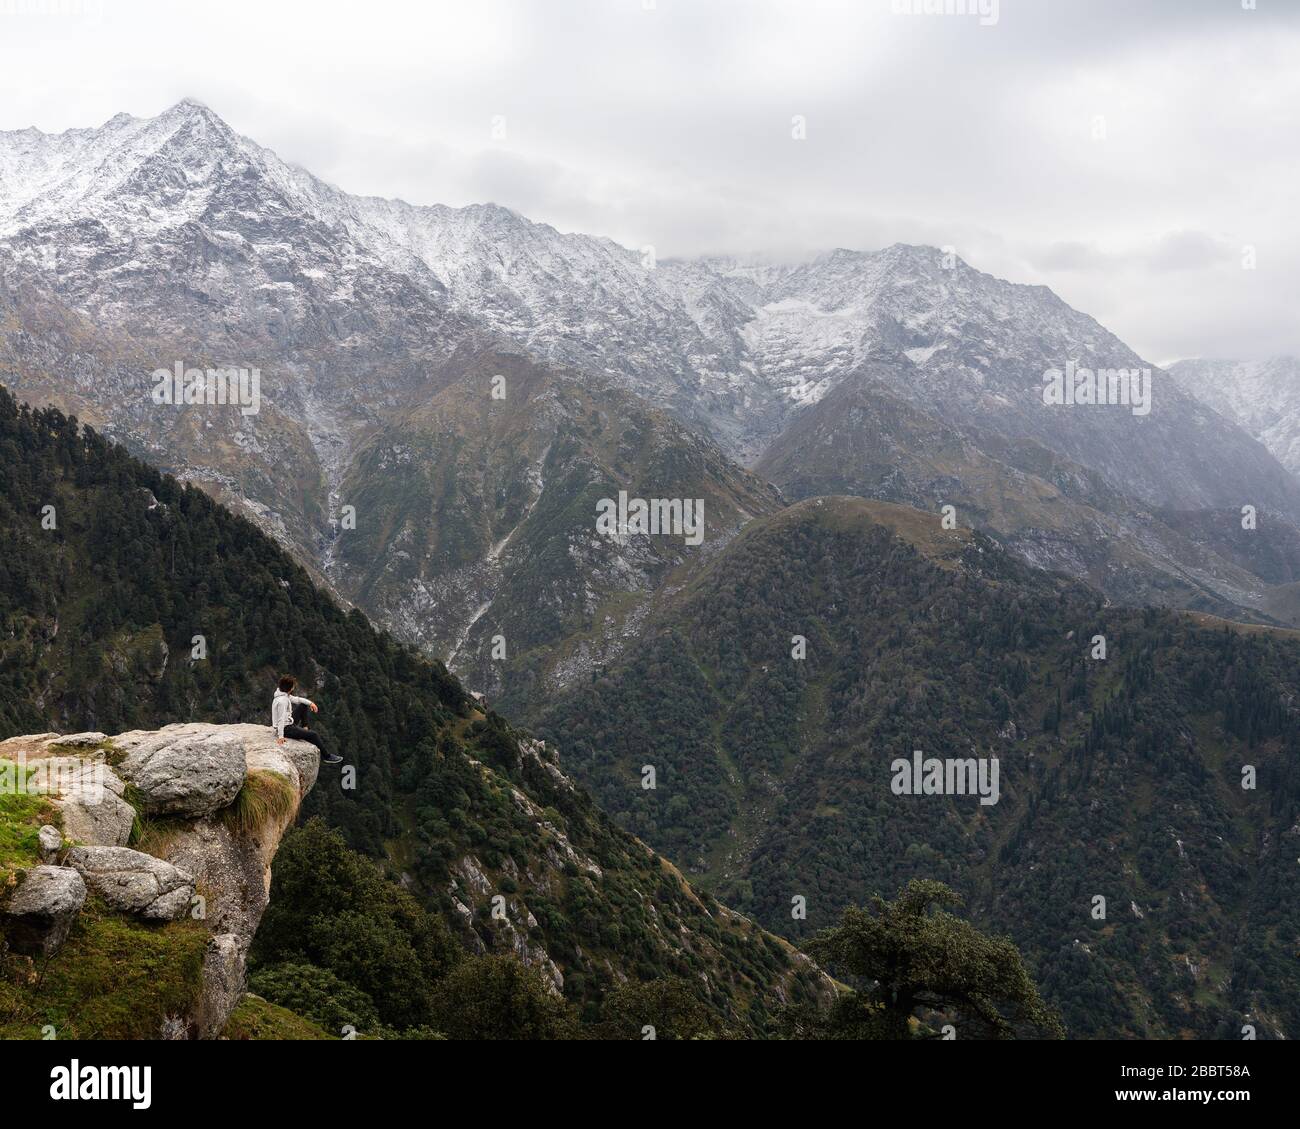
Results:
282 710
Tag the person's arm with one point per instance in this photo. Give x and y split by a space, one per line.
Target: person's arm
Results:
279 720
297 701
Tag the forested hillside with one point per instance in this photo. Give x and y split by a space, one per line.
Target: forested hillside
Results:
1120 777
477 522
128 600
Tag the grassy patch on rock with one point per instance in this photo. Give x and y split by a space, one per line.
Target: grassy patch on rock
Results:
259 1019
265 796
112 754
21 817
154 835
116 978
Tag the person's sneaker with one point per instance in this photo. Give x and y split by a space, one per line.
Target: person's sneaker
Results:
331 758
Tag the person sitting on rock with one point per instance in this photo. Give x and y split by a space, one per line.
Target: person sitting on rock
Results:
289 719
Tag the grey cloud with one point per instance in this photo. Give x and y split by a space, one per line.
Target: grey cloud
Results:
672 127
1072 256
1191 250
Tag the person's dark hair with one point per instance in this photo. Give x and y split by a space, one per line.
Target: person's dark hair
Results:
287 683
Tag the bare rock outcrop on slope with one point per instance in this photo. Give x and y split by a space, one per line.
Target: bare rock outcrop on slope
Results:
219 799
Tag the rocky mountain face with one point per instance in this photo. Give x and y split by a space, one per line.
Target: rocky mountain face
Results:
314 327
1142 757
216 799
1052 512
149 244
146 243
1263 397
445 397
478 535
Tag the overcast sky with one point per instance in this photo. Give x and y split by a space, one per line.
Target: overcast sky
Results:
669 122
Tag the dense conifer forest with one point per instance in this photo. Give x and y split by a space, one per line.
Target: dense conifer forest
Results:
101 600
1120 777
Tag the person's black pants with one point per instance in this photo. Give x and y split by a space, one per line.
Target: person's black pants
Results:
299 731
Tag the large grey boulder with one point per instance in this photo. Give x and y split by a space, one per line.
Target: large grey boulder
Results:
296 760
234 865
40 913
134 882
186 770
92 801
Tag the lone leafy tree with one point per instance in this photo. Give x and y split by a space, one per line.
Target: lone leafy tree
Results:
921 957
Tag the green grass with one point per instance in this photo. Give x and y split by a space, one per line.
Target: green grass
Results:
21 818
154 835
259 1019
264 796
115 978
111 752
131 794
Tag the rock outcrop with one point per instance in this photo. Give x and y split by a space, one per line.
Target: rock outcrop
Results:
71 769
133 882
187 770
219 799
40 914
51 842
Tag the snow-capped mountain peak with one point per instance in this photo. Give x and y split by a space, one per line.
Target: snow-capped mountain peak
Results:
1262 396
176 221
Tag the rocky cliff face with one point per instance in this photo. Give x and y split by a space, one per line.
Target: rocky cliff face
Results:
480 523
375 327
1051 511
1263 397
178 824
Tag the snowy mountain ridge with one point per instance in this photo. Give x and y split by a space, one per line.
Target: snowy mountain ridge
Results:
752 340
903 373
1262 396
